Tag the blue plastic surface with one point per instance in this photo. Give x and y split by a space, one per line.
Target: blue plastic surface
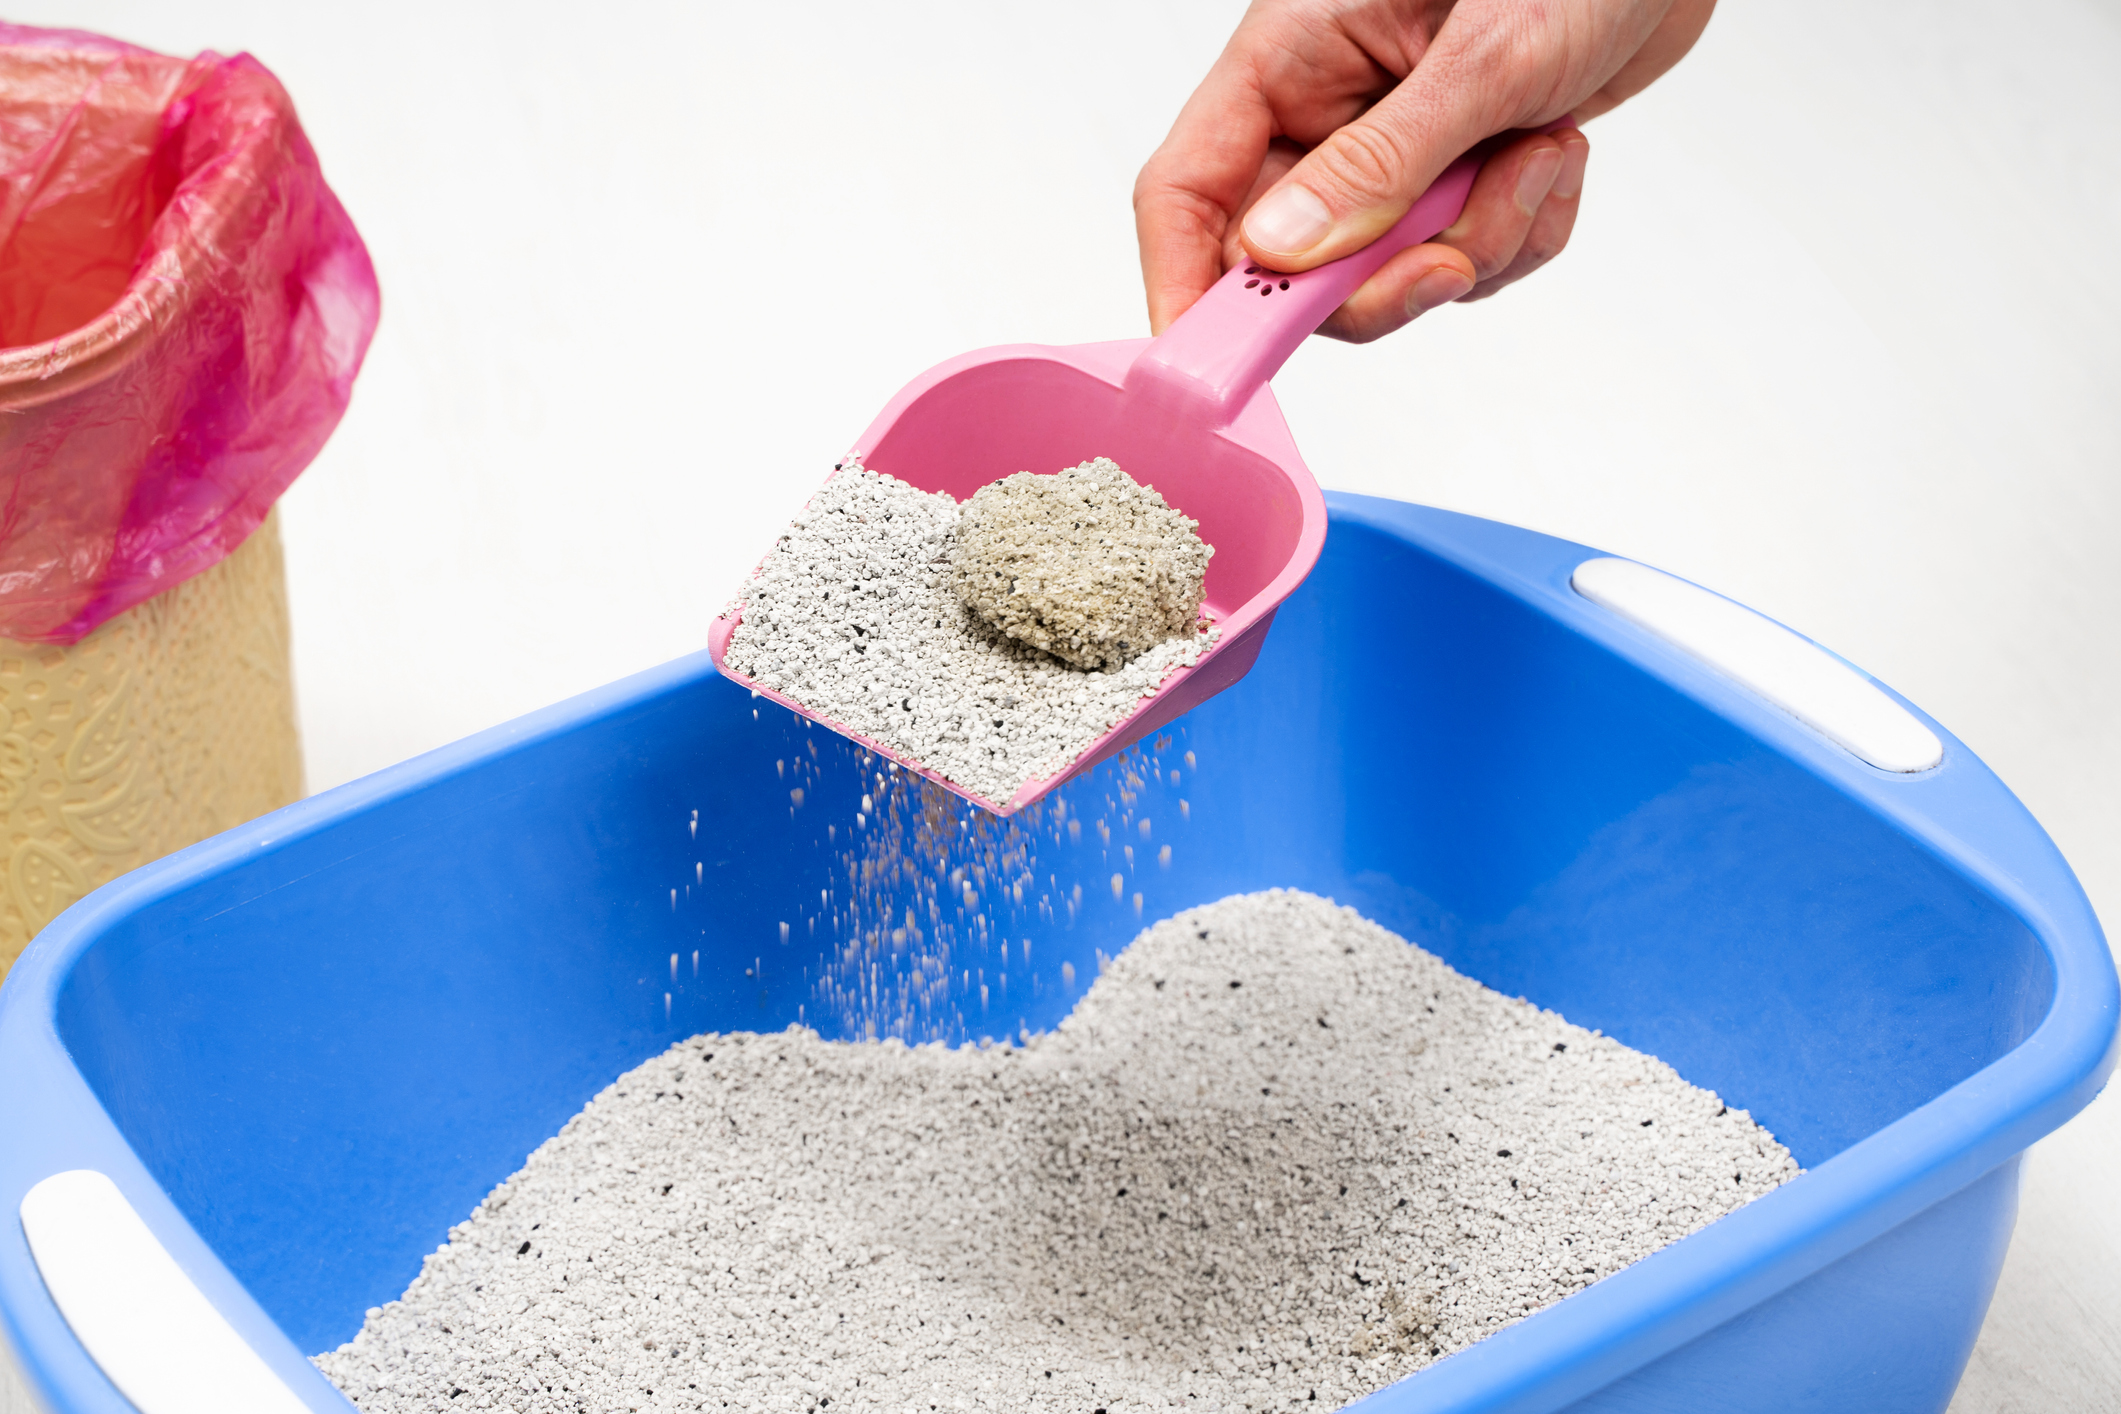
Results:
308 1046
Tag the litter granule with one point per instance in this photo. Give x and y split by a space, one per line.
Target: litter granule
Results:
852 614
1088 563
1276 1158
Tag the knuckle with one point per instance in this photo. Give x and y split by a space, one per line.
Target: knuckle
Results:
1540 247
1155 182
1369 314
1350 328
1548 237
1165 207
1144 183
1488 257
1363 160
1487 265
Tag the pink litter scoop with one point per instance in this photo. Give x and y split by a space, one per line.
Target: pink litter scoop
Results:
1188 412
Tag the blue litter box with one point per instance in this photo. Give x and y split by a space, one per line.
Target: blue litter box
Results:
247 1088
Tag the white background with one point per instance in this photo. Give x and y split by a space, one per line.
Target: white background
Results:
1840 336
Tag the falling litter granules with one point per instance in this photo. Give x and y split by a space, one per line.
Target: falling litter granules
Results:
916 912
1275 1158
853 615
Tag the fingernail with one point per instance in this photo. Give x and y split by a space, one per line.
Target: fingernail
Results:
1435 288
1288 220
1574 155
1536 178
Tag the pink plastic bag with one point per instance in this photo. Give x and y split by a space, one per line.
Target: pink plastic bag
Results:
183 307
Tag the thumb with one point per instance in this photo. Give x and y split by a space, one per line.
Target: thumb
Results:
1486 71
1347 191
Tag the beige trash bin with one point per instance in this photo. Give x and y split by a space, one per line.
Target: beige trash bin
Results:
170 723
184 306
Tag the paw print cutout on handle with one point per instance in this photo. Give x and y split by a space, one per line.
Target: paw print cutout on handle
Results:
1267 284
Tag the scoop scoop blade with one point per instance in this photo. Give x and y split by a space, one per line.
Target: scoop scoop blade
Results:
1022 407
1188 412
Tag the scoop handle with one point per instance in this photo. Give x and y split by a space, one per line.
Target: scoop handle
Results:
1238 335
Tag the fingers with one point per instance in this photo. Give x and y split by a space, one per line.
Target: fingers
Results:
1517 218
1282 76
1382 108
1181 240
1183 199
1411 283
1344 194
1282 154
1505 200
1481 75
1494 65
1551 224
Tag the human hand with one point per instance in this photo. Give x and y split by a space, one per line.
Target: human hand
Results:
1324 119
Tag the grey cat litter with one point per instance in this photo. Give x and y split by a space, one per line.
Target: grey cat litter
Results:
1087 564
1276 1159
853 615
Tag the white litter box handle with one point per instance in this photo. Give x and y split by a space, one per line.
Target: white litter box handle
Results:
1789 670
146 1323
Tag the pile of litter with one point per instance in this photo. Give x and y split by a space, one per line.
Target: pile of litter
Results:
854 616
1275 1159
1088 564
